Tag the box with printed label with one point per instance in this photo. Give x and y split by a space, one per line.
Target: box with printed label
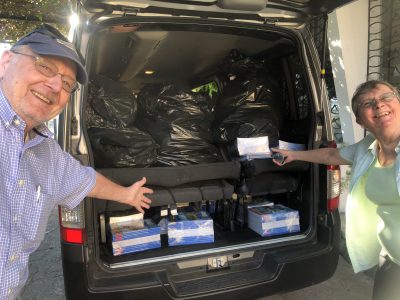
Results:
130 238
273 220
190 227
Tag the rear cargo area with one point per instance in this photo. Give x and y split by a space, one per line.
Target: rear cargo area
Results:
168 102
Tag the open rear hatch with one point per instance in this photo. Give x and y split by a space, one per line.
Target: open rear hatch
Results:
259 87
289 13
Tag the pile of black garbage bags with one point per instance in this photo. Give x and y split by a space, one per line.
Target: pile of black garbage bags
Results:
166 125
111 113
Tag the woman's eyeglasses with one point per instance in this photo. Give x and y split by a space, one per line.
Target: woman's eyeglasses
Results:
48 69
385 98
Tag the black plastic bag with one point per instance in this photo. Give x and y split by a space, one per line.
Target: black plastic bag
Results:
239 64
116 148
194 127
158 129
254 89
113 102
167 102
93 119
180 121
249 120
187 151
244 79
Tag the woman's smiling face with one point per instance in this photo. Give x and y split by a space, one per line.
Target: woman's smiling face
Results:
35 97
379 109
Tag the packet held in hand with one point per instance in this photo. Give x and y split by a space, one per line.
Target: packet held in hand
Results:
257 147
291 146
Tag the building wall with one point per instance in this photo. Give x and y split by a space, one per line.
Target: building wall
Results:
348 47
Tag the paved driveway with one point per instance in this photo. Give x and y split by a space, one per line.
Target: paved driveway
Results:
46 280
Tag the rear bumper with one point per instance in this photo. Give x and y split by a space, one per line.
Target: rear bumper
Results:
282 269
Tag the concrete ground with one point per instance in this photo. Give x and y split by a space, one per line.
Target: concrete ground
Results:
46 279
344 285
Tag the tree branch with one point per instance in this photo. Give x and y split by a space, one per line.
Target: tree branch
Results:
45 19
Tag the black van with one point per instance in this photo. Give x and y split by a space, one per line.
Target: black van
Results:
173 84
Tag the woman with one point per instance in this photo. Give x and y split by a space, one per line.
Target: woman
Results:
373 207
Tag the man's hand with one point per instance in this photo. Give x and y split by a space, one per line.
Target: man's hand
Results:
136 195
133 195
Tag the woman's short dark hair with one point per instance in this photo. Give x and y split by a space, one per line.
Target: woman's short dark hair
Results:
366 87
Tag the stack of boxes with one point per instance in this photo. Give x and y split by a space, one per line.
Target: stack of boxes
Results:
134 236
190 227
129 234
273 220
132 233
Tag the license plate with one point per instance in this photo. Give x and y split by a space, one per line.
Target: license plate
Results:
217 263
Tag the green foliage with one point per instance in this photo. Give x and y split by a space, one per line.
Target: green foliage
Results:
19 17
210 88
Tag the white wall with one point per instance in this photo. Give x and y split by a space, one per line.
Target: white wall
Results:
348 47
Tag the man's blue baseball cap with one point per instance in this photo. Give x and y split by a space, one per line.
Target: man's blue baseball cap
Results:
47 40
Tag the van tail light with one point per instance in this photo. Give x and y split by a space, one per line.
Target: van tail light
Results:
72 224
333 184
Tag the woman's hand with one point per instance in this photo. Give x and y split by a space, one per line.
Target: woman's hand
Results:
284 157
326 156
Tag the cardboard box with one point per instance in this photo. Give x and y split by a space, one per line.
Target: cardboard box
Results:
190 227
127 238
273 220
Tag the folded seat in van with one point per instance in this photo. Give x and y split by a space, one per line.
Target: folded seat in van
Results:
263 177
171 185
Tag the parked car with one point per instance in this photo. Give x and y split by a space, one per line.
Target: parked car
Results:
173 84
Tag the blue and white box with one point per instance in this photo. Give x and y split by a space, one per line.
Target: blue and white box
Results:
190 227
129 238
273 220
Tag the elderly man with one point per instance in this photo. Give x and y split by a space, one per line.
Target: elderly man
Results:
37 76
373 207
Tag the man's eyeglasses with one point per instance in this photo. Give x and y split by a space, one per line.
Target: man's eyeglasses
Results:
49 69
385 98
